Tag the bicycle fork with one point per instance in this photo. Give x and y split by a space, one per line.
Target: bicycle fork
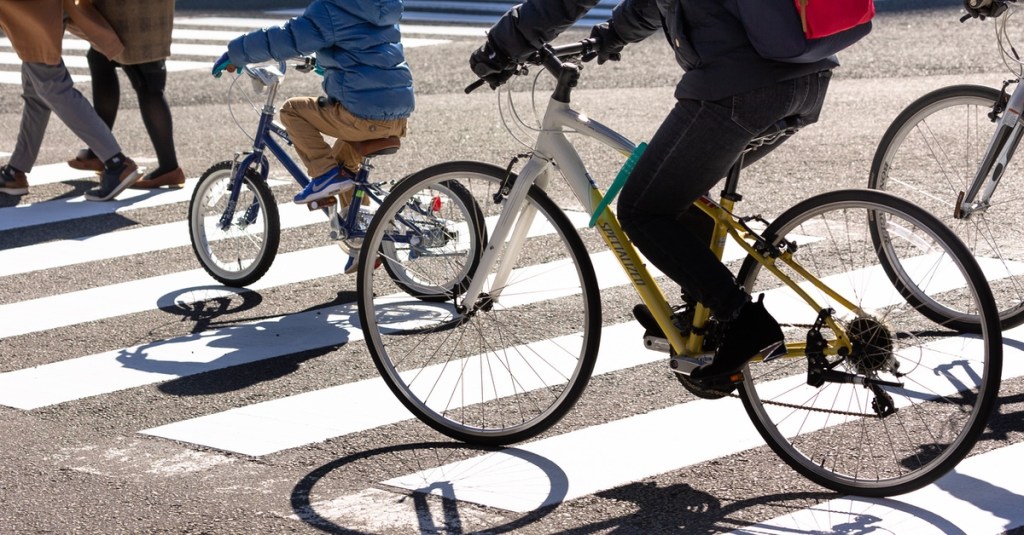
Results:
1009 131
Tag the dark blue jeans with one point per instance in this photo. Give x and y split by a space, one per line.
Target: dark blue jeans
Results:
692 151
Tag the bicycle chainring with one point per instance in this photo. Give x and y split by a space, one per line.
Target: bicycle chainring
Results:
704 392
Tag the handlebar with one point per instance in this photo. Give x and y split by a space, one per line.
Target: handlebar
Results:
550 57
308 65
984 8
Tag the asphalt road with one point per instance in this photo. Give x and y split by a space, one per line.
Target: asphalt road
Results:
85 458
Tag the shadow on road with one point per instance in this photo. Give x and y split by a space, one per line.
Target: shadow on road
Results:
432 508
238 350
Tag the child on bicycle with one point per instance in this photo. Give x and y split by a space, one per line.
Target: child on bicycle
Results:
367 84
726 97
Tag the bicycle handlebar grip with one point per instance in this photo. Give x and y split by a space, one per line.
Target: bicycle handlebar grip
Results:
475 85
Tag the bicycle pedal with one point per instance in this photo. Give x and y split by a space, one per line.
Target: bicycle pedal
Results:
322 203
656 343
685 365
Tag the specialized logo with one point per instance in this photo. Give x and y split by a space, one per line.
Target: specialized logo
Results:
625 258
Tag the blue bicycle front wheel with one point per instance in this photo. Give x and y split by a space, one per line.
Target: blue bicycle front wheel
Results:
235 242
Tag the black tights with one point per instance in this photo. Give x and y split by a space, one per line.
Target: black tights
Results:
148 80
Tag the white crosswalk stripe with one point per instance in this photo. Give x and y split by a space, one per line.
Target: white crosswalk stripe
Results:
982 478
194 46
508 480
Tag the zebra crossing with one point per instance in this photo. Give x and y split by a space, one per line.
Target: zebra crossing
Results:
981 494
198 41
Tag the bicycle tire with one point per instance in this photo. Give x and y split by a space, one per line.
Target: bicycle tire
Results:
242 253
929 155
843 436
501 370
405 266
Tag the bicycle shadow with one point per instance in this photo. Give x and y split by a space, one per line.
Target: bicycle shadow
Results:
225 352
436 508
431 508
435 505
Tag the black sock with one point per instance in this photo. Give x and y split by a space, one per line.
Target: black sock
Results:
115 162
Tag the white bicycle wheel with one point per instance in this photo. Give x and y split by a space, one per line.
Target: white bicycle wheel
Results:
508 366
930 155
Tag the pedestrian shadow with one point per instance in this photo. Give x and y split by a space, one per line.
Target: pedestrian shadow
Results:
225 353
432 507
78 230
48 221
79 187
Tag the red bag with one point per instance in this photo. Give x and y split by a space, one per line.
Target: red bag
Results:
803 31
822 18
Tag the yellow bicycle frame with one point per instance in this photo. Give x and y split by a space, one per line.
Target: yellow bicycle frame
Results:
726 225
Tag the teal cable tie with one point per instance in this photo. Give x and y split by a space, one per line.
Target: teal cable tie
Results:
620 179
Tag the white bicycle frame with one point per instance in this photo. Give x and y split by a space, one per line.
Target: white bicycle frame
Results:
1000 150
553 150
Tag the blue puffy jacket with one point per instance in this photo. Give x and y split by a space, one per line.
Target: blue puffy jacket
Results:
358 44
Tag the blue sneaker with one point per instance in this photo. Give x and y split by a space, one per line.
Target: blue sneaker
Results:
330 183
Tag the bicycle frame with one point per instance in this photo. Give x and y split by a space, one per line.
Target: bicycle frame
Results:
552 146
997 157
264 140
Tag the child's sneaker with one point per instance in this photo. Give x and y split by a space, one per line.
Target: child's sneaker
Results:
353 264
114 180
325 185
753 332
12 181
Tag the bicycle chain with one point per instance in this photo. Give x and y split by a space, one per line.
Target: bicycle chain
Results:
802 407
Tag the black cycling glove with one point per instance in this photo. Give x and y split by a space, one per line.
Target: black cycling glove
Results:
982 8
609 44
491 64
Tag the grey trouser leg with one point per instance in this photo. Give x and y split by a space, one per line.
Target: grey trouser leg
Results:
49 88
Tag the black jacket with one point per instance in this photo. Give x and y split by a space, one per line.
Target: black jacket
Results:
708 39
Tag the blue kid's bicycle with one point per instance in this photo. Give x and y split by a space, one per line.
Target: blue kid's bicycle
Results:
235 223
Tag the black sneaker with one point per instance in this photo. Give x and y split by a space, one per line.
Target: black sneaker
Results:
753 332
114 180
